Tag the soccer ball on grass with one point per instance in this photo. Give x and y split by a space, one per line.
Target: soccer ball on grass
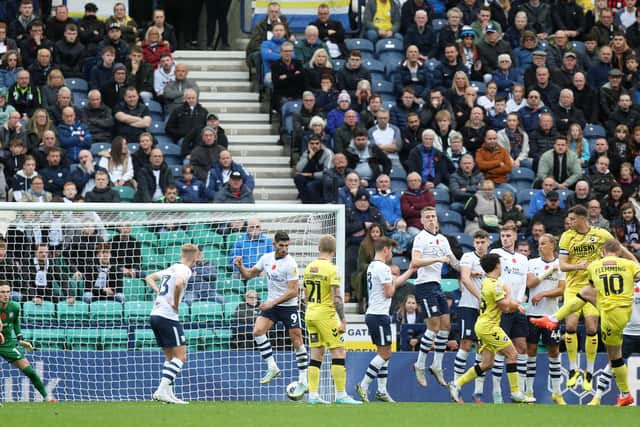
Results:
290 391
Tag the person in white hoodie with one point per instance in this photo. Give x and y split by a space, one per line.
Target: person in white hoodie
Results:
164 74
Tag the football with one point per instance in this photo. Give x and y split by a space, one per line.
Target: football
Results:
290 390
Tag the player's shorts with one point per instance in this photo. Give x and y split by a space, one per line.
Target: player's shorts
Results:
11 353
432 299
379 328
515 325
493 338
612 322
588 309
548 337
630 345
169 333
325 333
468 317
288 315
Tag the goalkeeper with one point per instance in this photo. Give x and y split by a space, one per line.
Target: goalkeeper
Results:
12 342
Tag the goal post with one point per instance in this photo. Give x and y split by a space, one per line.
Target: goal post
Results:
78 269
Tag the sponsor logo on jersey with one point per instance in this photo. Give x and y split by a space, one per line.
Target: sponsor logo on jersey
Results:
584 250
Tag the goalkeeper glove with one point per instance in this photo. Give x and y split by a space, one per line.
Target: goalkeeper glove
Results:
26 345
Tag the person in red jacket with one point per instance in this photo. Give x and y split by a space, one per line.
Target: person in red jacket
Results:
153 47
414 198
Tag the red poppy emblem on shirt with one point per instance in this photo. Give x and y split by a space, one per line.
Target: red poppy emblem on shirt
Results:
546 267
273 267
637 289
3 316
437 242
513 260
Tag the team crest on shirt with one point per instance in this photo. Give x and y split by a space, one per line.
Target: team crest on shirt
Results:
592 239
313 269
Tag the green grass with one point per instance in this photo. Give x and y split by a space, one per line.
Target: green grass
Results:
282 414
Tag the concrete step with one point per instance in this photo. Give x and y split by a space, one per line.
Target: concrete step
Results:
279 202
224 86
252 139
209 76
256 150
276 183
246 130
229 96
215 65
272 161
264 193
209 54
232 107
243 118
262 171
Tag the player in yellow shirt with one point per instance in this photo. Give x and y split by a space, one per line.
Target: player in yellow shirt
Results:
495 301
611 289
325 321
579 246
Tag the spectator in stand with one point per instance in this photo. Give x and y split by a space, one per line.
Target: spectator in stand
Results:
599 71
348 192
55 174
132 116
74 135
14 160
117 162
344 134
164 74
352 72
388 202
445 71
62 101
493 160
474 130
36 41
539 17
318 67
19 27
83 174
288 77
404 105
309 170
433 166
556 54
36 192
251 246
91 29
263 31
612 202
126 251
12 129
98 118
412 74
569 16
539 198
127 25
102 191
336 117
153 47
515 35
190 189
604 29
366 158
624 114
549 93
194 138
595 215
301 119
411 138
190 115
49 92
542 138
24 96
167 31
551 215
450 33
422 36
610 93
21 181
601 147
154 178
333 178
41 275
114 39
381 20
270 50
563 76
413 200
102 278
305 48
206 154
56 24
387 137
566 113
140 74
220 173
483 22
69 52
491 47
516 141
245 315
234 191
113 92
408 12
601 179
465 181
173 95
483 210
170 196
11 64
141 157
331 32
582 195
102 73
633 32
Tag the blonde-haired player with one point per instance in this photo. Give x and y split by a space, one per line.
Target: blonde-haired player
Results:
164 319
326 322
611 289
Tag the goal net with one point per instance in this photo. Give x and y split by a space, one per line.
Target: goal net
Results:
78 272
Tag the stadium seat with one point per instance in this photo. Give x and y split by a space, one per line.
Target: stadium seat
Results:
144 236
127 194
48 338
286 114
176 170
133 147
392 59
438 24
222 339
383 87
206 238
441 196
137 311
83 338
44 312
388 102
76 312
374 66
77 84
107 311
80 100
232 238
145 339
184 312
258 284
522 174
449 285
169 148
451 229
378 78
172 254
504 187
402 262
87 65
114 339
524 196
362 45
214 255
482 88
230 310
432 64
594 131
206 311
389 45
578 47
97 147
543 44
154 107
135 289
174 237
464 240
451 217
494 237
157 128
564 193
230 286
200 339
398 185
338 64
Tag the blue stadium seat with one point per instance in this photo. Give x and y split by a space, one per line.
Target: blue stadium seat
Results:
87 65
176 171
338 64
377 78
154 107
432 64
504 187
524 196
451 217
578 47
482 88
383 87
438 24
99 146
451 229
592 131
389 45
464 239
76 84
133 147
80 100
169 149
287 111
494 237
391 58
564 194
362 45
543 44
398 185
157 128
390 70
441 196
522 174
388 101
402 262
375 66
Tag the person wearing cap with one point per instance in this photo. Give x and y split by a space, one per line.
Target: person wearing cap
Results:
114 39
309 169
127 25
113 91
538 59
505 75
173 95
234 191
551 215
598 73
69 53
98 117
539 16
563 76
381 19
5 108
468 51
480 25
335 118
190 115
193 138
561 164
422 36
610 93
491 47
91 30
57 24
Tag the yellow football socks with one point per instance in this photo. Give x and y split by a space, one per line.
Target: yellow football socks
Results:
313 375
339 374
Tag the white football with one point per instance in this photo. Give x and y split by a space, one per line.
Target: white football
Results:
290 390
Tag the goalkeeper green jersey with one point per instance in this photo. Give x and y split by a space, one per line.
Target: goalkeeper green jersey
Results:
10 318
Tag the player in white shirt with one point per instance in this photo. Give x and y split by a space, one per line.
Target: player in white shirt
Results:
164 319
546 285
471 275
515 325
430 250
630 345
281 306
381 287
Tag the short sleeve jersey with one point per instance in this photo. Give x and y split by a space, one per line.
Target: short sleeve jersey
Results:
467 299
163 304
582 247
431 246
378 274
514 272
492 293
279 272
546 306
10 318
613 277
633 327
319 277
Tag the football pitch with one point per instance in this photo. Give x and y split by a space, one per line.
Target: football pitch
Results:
267 414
